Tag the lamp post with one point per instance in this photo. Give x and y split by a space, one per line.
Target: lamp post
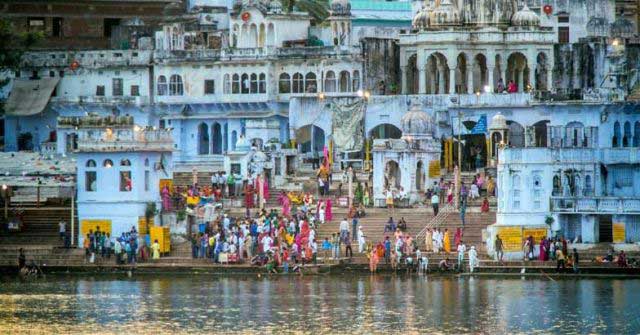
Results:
5 197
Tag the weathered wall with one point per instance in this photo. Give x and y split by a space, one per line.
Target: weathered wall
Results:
381 65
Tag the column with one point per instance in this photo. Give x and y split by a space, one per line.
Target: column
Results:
549 79
422 86
441 80
452 81
403 70
469 79
490 81
520 81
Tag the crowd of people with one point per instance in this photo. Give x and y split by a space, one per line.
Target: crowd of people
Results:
128 248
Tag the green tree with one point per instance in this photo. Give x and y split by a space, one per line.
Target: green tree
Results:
13 45
318 9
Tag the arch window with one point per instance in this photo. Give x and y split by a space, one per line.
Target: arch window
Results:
345 81
310 83
146 162
107 163
90 177
175 85
235 84
284 83
626 139
298 83
588 186
254 83
356 80
125 162
262 83
162 85
245 84
515 183
330 81
203 139
234 139
615 140
537 191
557 186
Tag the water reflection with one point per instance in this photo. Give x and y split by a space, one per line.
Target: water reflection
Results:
353 304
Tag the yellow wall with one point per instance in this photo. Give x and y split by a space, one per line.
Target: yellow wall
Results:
87 225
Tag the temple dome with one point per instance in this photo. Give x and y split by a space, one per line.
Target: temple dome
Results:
622 27
498 121
242 144
275 7
445 14
340 7
421 19
525 18
417 123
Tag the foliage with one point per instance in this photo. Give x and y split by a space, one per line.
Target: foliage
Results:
149 212
549 220
13 45
318 9
181 215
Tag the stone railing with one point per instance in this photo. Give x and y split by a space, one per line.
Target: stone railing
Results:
587 205
252 53
570 155
106 140
87 59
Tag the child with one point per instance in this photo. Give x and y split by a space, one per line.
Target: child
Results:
326 248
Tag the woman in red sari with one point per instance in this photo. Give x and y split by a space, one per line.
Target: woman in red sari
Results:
457 237
248 195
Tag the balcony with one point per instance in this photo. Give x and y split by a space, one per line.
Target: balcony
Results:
595 205
570 155
87 59
124 140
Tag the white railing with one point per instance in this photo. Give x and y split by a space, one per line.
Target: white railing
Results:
585 205
435 221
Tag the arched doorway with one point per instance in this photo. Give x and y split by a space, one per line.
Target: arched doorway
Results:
479 73
392 175
384 131
310 138
420 177
203 139
515 135
461 74
216 139
518 71
437 74
540 133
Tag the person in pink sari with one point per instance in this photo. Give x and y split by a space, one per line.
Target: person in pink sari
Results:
284 201
327 214
543 252
265 187
166 199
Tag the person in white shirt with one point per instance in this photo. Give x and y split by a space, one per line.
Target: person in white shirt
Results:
473 258
435 203
266 243
344 228
474 192
461 250
62 229
214 180
361 240
314 250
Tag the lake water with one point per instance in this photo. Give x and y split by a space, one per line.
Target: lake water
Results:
318 304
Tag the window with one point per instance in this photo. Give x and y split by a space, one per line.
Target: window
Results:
537 191
330 82
108 25
117 89
52 74
100 90
235 86
107 163
235 169
90 181
146 162
276 165
56 27
91 163
262 83
245 83
356 80
175 85
310 84
298 83
209 86
61 73
125 181
563 35
146 180
254 83
36 24
284 83
135 90
563 18
515 184
125 162
162 85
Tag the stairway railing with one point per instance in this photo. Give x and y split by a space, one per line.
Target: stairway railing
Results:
443 214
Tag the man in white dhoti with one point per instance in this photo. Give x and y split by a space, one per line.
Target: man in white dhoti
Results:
361 240
473 258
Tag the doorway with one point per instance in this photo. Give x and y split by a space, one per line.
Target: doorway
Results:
605 228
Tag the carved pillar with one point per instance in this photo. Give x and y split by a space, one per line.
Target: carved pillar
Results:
452 81
441 81
403 70
469 79
422 83
520 80
490 81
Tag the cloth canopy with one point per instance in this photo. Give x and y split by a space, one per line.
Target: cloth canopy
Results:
30 97
347 124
